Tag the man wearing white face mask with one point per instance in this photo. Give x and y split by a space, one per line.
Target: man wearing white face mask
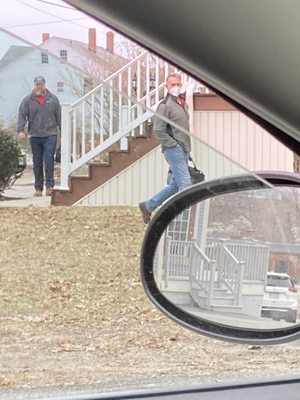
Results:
175 144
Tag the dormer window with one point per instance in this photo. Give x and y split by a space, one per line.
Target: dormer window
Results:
63 56
44 58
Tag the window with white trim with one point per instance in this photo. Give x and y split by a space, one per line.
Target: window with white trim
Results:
60 86
63 56
44 58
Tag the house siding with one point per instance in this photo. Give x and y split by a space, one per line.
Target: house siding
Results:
133 185
242 140
99 65
148 175
16 77
16 81
230 143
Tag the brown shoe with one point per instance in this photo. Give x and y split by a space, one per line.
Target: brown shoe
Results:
49 191
145 213
38 193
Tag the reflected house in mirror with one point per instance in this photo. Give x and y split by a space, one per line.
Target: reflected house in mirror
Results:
211 273
214 257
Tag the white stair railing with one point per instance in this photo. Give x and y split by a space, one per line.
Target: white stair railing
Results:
116 108
231 274
184 260
203 274
254 253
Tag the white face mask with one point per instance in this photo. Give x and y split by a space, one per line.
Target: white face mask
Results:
175 91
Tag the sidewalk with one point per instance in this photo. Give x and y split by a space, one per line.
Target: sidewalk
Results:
21 193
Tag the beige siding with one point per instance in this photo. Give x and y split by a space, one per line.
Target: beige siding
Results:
221 132
148 175
243 141
212 162
134 184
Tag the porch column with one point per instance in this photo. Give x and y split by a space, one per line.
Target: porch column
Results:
124 121
65 146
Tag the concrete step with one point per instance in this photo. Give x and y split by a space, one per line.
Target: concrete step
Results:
230 309
222 301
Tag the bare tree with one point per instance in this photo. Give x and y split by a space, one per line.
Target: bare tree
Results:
127 48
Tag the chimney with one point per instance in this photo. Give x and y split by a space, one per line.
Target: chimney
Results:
45 36
110 41
92 40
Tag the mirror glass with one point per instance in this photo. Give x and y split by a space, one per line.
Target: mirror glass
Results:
235 259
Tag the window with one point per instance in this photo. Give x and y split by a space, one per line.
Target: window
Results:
63 56
44 58
60 86
178 228
279 281
281 266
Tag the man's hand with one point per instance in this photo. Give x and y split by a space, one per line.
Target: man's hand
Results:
22 135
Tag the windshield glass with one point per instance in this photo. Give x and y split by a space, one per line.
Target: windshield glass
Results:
74 316
281 281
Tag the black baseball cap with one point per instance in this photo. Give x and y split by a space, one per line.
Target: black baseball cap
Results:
39 79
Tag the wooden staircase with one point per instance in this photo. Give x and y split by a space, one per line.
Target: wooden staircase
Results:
114 114
101 172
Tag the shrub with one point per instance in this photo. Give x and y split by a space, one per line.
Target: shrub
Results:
10 152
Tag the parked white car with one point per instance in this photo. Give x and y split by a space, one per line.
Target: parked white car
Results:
280 298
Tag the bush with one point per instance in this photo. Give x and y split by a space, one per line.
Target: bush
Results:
10 152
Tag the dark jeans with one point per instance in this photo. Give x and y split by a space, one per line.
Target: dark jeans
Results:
43 150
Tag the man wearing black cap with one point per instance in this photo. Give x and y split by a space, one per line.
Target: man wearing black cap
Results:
41 110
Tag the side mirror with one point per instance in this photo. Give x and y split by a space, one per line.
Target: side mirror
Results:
222 258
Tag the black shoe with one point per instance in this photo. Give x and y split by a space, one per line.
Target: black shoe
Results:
145 213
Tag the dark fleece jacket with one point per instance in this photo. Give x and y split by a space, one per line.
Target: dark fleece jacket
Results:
43 119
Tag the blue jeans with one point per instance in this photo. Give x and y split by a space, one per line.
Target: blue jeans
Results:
179 179
43 150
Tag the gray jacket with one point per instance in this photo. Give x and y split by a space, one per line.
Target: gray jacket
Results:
171 110
43 119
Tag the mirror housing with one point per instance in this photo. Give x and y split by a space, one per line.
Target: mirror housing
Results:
172 208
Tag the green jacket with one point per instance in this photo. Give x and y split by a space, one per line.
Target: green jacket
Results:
174 113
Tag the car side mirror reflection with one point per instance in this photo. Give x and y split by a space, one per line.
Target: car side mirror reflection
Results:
227 258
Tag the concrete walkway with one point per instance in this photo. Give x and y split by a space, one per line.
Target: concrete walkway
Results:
21 193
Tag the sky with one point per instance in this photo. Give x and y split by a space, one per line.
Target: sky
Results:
27 20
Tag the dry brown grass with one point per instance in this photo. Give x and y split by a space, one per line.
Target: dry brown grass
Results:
73 311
